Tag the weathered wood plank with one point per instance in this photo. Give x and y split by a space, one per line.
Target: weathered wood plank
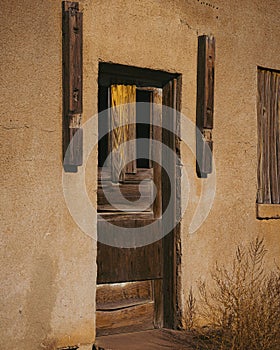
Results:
277 106
205 103
266 170
133 264
117 216
75 147
72 28
123 112
205 81
157 151
158 299
141 175
129 192
120 295
207 148
273 141
169 244
178 209
268 137
268 211
260 196
139 317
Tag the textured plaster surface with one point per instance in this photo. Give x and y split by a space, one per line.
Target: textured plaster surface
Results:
48 268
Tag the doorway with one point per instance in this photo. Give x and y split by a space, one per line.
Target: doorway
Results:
136 285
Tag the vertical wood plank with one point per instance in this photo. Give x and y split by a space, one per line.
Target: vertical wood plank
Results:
157 152
177 229
268 137
72 47
205 103
273 141
209 83
277 111
123 111
169 244
205 81
260 197
267 193
158 300
128 264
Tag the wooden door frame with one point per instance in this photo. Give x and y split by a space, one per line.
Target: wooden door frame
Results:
172 242
171 83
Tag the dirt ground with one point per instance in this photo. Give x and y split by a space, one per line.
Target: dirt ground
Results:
148 340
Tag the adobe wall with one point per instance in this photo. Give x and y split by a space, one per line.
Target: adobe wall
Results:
48 268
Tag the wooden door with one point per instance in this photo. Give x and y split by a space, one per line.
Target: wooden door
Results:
136 286
129 280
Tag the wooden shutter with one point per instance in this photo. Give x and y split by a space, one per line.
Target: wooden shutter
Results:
123 111
268 137
205 103
72 46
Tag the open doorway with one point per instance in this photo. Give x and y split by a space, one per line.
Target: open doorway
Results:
136 286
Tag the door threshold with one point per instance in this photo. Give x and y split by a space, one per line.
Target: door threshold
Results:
154 339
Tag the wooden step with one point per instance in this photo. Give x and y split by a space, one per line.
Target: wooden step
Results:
138 317
121 295
124 307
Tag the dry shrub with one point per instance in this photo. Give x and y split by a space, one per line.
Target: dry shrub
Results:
191 312
242 307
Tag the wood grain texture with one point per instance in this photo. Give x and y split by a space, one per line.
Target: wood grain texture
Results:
178 208
129 192
157 151
75 147
116 265
205 103
118 217
205 81
169 195
121 295
129 264
207 149
123 112
129 189
141 175
268 137
158 300
72 48
268 211
138 317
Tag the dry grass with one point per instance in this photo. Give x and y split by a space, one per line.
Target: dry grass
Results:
242 307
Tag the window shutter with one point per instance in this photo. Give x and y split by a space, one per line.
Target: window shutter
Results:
205 103
268 137
72 43
123 111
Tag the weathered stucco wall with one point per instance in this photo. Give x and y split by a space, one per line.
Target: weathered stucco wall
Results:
47 264
48 267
